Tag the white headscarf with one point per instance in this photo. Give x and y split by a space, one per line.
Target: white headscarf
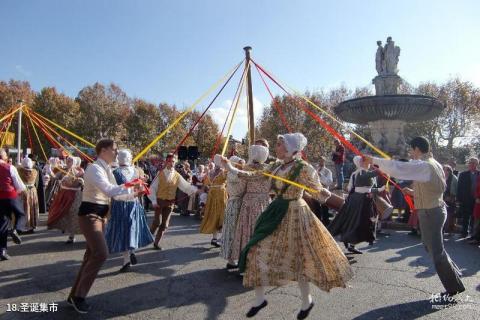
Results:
217 160
125 157
357 160
294 143
27 163
52 161
77 161
257 153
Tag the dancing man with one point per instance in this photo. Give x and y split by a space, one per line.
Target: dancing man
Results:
163 191
428 188
100 186
11 186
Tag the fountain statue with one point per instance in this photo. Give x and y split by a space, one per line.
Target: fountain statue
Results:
387 112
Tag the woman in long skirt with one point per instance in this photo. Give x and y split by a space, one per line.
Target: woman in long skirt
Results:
354 221
63 213
235 190
255 200
127 228
29 175
214 210
289 242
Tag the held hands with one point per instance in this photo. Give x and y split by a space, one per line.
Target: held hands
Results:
408 191
224 159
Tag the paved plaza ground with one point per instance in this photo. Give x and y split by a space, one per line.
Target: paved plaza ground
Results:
187 280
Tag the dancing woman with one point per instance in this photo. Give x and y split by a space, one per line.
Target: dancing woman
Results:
354 221
127 228
63 213
289 242
235 190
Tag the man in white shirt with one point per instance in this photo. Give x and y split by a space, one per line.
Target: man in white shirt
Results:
99 187
428 188
11 186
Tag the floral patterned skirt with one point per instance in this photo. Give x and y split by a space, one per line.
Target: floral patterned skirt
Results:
301 249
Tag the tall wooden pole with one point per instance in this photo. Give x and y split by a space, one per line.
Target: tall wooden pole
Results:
251 121
19 133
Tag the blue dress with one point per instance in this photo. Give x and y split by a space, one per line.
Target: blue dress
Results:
127 228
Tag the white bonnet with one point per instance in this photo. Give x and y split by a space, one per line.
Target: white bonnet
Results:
27 163
257 153
294 142
124 157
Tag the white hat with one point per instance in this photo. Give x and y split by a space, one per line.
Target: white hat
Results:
27 163
77 161
217 160
294 142
124 157
257 153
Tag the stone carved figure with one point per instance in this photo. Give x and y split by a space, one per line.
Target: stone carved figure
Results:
380 58
391 54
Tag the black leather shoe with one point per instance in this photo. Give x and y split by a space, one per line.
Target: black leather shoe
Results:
79 304
254 310
125 267
215 243
15 237
4 256
133 259
231 266
303 314
354 250
156 247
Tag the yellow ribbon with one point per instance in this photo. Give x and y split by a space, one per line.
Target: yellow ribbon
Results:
293 183
230 125
10 113
64 129
174 123
6 131
36 134
328 114
71 144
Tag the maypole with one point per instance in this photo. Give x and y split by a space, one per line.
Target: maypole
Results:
251 121
19 133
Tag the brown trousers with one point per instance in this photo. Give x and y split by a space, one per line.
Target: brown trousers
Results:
92 227
164 210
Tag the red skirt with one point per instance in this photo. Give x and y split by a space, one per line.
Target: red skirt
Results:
476 211
61 206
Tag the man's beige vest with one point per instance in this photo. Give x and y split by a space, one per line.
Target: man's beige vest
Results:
429 195
167 189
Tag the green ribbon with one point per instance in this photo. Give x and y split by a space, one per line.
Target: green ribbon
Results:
270 219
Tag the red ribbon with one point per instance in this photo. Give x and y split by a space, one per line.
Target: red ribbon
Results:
137 182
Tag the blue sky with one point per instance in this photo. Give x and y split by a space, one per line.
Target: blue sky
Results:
172 51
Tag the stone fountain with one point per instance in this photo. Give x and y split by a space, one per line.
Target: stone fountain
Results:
387 112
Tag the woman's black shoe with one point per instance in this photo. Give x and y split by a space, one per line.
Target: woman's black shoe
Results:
125 267
352 249
215 243
156 247
231 266
254 310
133 259
303 314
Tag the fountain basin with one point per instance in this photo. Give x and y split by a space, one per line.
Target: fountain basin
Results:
408 108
